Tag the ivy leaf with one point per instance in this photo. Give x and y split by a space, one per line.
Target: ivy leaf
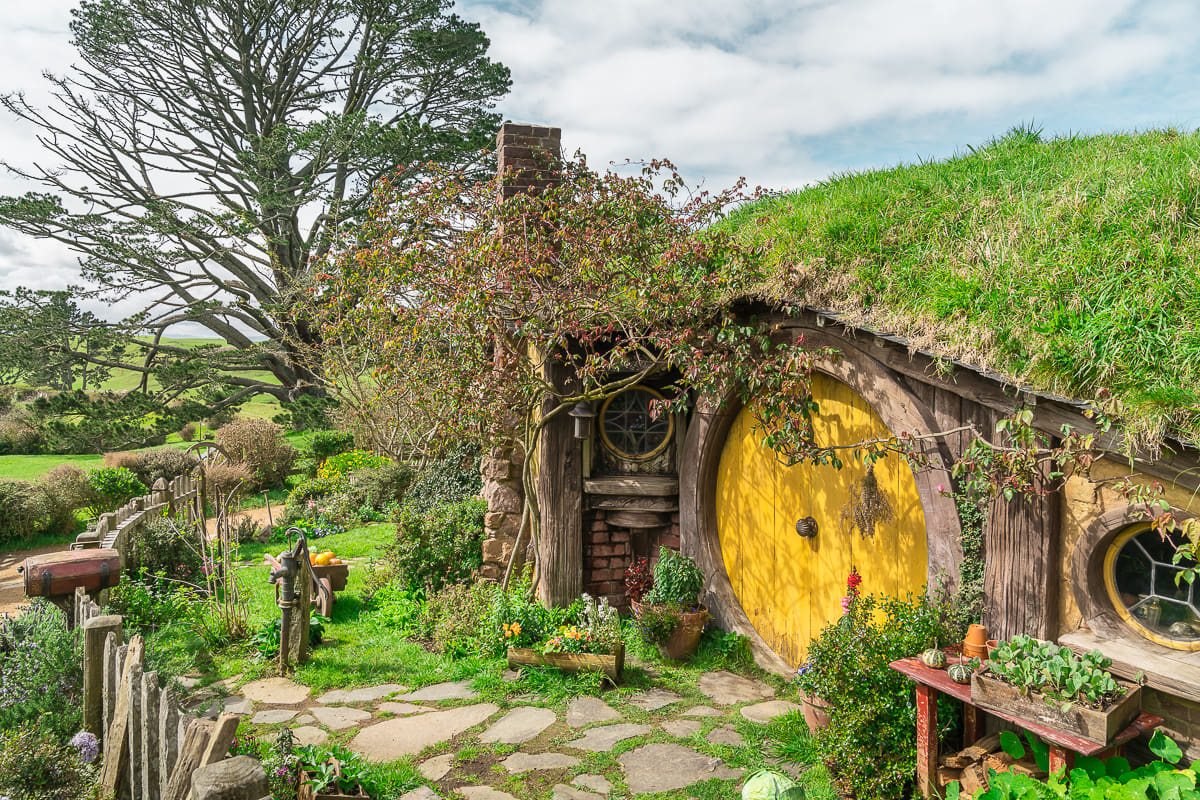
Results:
1166 749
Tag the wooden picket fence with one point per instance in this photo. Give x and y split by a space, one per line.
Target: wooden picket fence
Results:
181 496
153 750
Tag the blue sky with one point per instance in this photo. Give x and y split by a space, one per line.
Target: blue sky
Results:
782 92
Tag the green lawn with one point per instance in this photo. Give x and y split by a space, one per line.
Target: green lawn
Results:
361 649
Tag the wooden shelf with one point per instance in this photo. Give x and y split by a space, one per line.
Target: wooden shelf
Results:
633 485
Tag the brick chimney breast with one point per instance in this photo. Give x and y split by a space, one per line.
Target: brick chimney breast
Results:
527 154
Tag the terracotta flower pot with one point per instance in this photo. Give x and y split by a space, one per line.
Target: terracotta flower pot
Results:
816 714
686 637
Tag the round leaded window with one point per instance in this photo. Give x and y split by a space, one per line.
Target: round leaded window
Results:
629 426
1147 589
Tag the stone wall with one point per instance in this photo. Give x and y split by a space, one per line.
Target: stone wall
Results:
505 497
608 549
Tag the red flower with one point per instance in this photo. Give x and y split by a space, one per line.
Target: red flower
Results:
853 580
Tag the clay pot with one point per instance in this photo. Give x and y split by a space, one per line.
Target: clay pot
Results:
686 637
816 715
976 635
991 645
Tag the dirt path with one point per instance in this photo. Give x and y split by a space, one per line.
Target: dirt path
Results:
12 583
259 515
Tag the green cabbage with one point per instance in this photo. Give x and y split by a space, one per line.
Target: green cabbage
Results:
768 785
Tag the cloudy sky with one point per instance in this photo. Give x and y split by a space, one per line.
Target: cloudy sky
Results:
783 92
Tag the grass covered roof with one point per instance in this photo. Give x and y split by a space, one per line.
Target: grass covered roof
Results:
1069 265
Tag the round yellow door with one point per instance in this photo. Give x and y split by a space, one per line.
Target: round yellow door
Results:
790 586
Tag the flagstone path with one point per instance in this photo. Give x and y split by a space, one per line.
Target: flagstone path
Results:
535 743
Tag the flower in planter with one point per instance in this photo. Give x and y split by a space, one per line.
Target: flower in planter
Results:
512 630
570 640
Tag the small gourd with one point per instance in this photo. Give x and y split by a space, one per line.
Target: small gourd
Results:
959 673
934 657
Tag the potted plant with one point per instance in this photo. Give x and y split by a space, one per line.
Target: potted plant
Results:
639 579
671 615
332 774
1051 685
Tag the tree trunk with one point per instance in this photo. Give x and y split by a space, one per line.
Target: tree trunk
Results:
560 501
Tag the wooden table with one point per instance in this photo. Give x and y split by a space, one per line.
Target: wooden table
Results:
1063 746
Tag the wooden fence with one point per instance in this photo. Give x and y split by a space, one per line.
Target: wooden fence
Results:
153 750
181 495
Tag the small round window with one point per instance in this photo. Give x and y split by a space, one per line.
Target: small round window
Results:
1147 590
630 427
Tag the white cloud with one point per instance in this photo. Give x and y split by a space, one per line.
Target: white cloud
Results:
782 91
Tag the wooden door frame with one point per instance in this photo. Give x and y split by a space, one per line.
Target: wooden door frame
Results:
711 421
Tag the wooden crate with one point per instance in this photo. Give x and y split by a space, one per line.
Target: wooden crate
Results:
1098 726
611 665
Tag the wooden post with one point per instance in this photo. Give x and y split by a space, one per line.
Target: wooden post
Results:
972 724
168 737
114 773
95 657
190 753
151 743
1021 567
927 741
223 734
240 778
560 503
134 730
297 632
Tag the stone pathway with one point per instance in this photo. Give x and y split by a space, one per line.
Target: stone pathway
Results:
390 721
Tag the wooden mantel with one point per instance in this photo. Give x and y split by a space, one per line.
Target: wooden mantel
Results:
633 485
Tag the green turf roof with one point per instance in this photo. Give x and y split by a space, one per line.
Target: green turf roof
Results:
1067 265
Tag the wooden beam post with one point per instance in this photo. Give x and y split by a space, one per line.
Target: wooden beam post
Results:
560 502
240 778
115 771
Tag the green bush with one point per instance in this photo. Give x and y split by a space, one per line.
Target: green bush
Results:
324 444
451 479
380 487
314 489
188 432
871 737
145 601
167 463
20 437
41 672
677 580
28 511
35 765
114 487
454 617
167 548
260 445
440 547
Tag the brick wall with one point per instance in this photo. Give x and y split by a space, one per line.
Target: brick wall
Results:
527 156
608 550
1182 724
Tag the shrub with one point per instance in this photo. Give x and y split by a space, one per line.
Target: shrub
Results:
260 445
341 465
162 546
69 485
380 487
114 487
454 617
35 765
677 579
122 458
166 463
28 511
313 489
451 479
19 437
871 736
41 672
188 432
223 479
324 444
146 602
441 547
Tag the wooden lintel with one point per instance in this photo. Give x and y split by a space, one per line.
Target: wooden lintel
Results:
633 485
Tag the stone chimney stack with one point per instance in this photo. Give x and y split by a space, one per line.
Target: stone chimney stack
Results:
527 155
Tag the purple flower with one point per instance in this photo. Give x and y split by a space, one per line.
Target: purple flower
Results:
88 746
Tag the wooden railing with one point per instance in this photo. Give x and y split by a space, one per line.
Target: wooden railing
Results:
153 750
180 496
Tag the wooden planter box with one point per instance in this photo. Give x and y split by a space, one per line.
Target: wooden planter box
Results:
1099 726
611 665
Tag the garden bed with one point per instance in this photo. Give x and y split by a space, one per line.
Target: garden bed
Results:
611 665
1095 725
